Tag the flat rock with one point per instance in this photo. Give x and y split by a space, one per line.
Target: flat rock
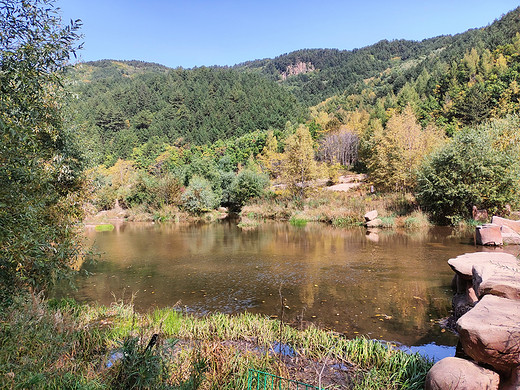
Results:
460 374
497 279
374 223
488 234
371 215
514 225
463 264
490 332
509 236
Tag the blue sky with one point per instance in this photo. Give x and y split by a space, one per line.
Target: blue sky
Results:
204 32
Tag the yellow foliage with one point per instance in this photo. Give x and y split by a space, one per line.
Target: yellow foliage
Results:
400 149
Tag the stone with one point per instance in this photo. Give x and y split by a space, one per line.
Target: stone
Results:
480 215
374 223
497 279
371 215
488 234
509 236
460 374
514 225
463 264
490 333
513 383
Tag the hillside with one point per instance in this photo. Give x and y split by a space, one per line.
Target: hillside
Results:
450 80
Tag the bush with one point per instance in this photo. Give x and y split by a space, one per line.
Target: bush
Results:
199 197
475 168
247 185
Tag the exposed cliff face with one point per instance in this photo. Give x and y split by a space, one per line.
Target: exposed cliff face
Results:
298 68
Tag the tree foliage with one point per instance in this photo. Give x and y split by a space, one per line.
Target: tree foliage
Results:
479 166
38 161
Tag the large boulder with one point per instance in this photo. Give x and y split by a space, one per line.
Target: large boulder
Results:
463 264
489 234
374 223
460 374
510 236
497 279
514 225
371 215
490 333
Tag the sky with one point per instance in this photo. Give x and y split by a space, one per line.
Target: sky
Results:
179 33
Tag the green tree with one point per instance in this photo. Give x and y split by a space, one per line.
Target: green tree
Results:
199 197
480 166
40 190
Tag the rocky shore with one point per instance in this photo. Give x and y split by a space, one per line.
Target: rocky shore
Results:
486 310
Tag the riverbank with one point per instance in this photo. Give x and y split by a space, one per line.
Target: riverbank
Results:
61 344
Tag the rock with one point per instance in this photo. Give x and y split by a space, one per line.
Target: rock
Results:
463 264
374 223
509 236
461 304
460 374
480 215
514 225
371 215
490 333
513 383
488 234
496 279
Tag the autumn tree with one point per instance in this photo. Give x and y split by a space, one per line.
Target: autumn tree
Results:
399 149
299 167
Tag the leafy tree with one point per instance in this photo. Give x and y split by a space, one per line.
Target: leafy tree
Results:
480 166
199 197
39 165
399 151
247 185
299 167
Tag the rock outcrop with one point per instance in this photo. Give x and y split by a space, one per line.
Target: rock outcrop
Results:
486 307
500 231
371 220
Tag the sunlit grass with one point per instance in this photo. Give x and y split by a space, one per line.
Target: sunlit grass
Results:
62 344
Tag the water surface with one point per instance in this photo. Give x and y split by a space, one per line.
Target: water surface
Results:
389 285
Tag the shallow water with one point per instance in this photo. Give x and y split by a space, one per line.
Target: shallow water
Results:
390 285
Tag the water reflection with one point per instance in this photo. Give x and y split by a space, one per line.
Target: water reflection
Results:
387 285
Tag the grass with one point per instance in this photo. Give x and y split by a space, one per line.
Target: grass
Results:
108 227
61 344
340 209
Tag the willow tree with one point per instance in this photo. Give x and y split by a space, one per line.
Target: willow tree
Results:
40 184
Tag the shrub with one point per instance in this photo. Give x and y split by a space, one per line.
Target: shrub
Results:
473 169
199 197
246 185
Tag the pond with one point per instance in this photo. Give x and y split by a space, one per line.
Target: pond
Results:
391 285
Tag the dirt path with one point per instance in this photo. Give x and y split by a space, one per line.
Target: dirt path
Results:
348 182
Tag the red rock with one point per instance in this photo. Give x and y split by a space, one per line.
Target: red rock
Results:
488 234
497 279
371 215
490 333
513 383
460 374
514 225
463 264
509 236
374 223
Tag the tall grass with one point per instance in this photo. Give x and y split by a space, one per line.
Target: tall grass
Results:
60 344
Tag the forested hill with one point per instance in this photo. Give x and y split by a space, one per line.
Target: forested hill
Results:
316 74
122 105
451 80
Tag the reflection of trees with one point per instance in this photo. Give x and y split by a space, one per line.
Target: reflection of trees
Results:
325 270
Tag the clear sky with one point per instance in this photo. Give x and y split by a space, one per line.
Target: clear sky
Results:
214 32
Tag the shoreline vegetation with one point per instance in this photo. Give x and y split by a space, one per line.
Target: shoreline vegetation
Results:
62 344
